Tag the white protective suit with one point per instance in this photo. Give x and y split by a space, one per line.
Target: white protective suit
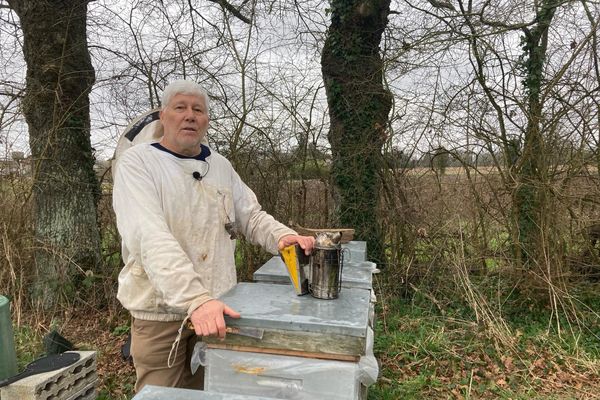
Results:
176 250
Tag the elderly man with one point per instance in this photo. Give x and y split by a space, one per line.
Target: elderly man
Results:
179 205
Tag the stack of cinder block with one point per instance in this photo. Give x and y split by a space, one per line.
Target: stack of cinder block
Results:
75 382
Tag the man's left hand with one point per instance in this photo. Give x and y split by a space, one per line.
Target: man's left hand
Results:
305 242
208 320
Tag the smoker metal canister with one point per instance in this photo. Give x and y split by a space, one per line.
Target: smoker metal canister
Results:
326 265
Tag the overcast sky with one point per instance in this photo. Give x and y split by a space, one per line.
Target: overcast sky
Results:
268 74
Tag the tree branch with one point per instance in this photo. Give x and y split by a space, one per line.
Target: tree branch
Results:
229 7
441 4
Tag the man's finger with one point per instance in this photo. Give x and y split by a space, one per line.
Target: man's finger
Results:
214 327
306 243
203 327
221 329
231 312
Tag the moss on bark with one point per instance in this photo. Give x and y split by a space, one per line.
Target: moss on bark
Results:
358 108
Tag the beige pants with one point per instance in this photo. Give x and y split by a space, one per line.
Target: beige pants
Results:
151 343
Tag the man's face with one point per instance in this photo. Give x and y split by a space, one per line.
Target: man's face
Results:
185 121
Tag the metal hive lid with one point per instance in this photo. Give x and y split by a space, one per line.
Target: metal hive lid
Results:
273 306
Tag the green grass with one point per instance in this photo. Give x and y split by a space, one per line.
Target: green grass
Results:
433 349
426 355
28 345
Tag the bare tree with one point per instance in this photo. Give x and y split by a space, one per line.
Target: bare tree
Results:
516 82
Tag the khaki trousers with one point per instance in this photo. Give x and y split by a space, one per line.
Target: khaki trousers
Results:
151 343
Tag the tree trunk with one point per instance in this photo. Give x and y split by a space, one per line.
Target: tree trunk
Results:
56 106
358 110
532 170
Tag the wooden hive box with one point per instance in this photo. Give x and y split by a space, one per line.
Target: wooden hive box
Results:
297 325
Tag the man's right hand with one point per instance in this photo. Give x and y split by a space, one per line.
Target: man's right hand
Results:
208 318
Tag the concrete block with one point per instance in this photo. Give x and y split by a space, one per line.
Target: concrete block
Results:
88 392
75 382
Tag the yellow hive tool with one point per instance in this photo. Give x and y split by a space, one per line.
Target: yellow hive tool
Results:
296 263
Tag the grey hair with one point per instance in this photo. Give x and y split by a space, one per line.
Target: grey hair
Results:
184 87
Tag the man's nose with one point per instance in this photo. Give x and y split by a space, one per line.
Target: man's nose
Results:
189 114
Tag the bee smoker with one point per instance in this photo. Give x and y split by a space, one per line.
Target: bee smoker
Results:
320 274
325 280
